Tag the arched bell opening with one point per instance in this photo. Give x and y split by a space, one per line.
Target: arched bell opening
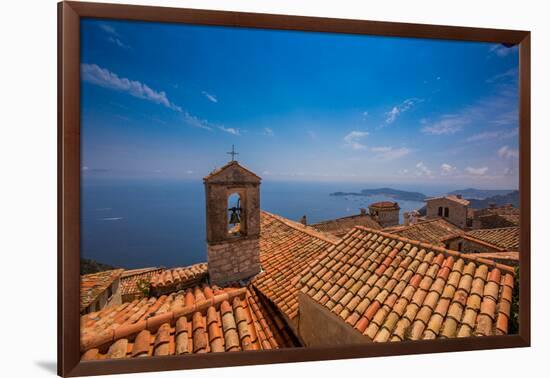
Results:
235 215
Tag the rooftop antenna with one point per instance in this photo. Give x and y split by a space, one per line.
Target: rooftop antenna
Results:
232 153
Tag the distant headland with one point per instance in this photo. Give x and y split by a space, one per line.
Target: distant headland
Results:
387 192
479 198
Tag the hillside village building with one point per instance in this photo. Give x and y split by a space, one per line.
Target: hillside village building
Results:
452 208
341 226
99 290
270 283
485 240
386 213
433 231
495 217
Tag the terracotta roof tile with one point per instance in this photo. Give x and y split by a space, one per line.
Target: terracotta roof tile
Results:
432 231
287 250
507 258
169 280
415 290
453 198
92 285
384 204
200 319
131 279
340 226
506 238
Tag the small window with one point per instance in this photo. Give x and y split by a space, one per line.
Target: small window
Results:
110 291
235 224
460 247
446 212
440 211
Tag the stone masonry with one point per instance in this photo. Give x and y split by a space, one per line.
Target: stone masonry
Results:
232 257
233 260
451 208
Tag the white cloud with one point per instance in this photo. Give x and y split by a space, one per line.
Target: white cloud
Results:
191 120
502 51
422 170
390 153
189 172
114 36
392 115
353 140
506 152
447 169
488 135
108 29
510 171
381 149
477 171
510 134
118 42
210 97
269 132
511 73
102 77
230 130
447 125
483 136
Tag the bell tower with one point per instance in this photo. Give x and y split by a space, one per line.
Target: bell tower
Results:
232 223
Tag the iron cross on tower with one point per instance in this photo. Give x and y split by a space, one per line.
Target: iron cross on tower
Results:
233 153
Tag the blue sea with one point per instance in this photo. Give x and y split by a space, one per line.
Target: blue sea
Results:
139 223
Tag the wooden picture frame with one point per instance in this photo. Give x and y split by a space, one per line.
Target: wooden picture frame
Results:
69 15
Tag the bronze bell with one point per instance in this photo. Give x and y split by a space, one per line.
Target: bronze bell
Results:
234 216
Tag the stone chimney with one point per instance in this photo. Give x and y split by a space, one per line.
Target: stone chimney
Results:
459 196
232 232
363 211
405 218
303 220
414 217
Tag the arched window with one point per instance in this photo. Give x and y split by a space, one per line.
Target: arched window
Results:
440 211
446 212
235 223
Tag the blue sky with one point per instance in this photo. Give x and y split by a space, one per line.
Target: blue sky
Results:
168 101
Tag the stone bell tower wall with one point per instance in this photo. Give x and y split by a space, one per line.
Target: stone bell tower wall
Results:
232 256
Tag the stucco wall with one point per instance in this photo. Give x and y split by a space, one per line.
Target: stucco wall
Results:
320 327
468 246
104 300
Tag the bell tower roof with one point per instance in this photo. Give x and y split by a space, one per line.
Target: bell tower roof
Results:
232 172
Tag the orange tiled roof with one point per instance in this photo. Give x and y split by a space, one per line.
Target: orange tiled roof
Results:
340 226
179 278
384 204
92 285
133 272
452 197
507 258
198 320
512 218
506 238
130 279
432 231
390 288
286 249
